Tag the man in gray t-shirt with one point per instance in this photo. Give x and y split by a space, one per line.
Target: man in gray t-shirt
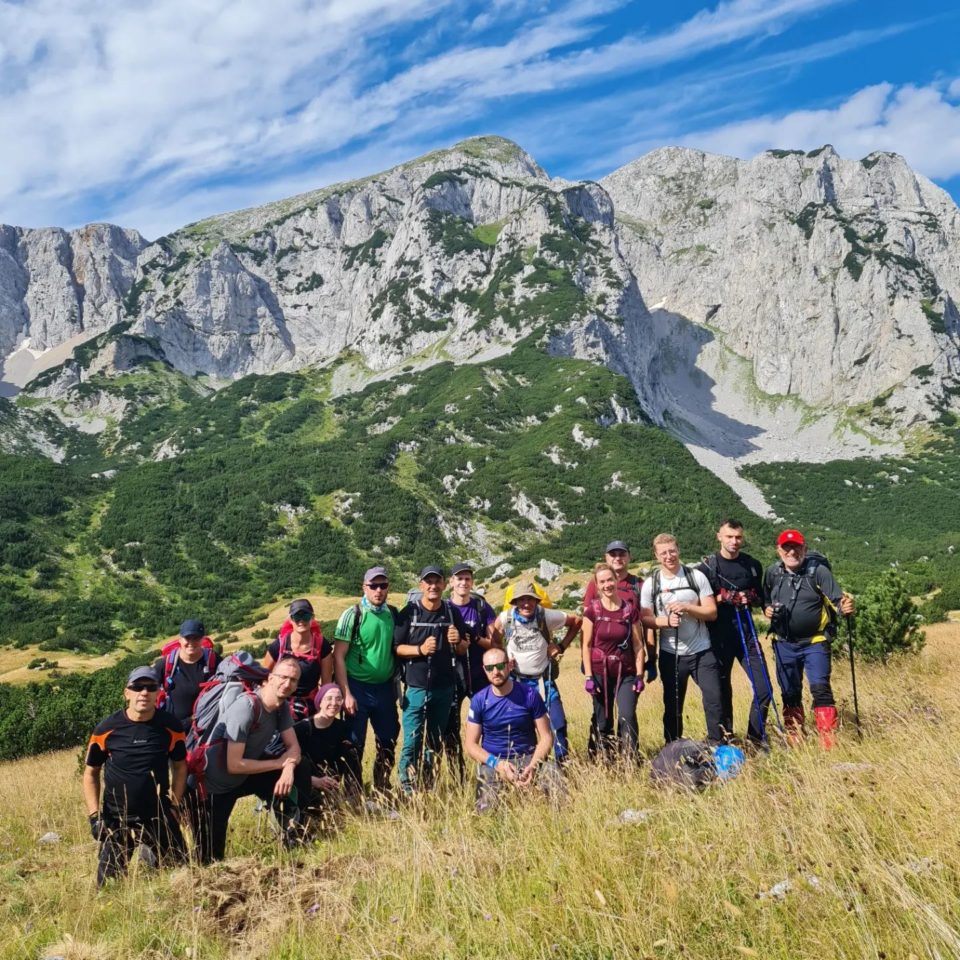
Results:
237 767
678 602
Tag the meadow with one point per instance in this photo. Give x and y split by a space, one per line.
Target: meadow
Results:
849 854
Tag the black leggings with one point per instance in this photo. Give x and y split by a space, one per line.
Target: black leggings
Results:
621 696
705 672
123 835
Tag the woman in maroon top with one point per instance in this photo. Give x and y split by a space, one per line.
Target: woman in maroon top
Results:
613 660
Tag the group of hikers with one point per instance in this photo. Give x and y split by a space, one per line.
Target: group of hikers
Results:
197 734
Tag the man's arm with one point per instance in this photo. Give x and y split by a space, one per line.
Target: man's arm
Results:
471 742
91 789
178 780
340 649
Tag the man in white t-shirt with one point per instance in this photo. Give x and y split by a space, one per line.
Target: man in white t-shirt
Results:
678 602
526 630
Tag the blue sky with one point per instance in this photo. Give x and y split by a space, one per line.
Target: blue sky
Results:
154 113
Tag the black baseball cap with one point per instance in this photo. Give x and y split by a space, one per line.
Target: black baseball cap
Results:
431 572
617 545
461 568
142 673
192 628
301 606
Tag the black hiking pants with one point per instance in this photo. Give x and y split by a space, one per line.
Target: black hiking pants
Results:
212 840
160 834
675 672
728 650
614 694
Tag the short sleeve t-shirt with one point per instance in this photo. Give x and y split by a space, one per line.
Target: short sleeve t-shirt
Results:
508 723
136 754
415 625
692 636
370 658
249 723
477 615
183 686
525 642
740 575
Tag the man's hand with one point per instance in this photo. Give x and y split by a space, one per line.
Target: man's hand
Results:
350 704
453 634
329 784
285 782
428 647
507 771
554 651
768 612
847 605
527 775
98 829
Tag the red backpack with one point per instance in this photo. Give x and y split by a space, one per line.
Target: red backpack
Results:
316 651
171 657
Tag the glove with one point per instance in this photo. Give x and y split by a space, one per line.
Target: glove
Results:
98 829
651 670
639 685
590 686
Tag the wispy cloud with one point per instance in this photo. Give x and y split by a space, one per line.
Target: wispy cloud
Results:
159 111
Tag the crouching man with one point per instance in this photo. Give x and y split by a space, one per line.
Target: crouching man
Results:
240 766
508 735
144 758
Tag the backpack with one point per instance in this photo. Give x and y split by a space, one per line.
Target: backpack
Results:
688 764
283 638
711 566
545 600
614 659
541 626
691 583
811 562
238 675
171 657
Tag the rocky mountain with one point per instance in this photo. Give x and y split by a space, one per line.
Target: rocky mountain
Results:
793 305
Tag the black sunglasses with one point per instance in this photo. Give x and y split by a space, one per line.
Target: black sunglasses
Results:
140 687
379 585
491 667
301 616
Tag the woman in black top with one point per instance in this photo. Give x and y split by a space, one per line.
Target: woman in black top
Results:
325 743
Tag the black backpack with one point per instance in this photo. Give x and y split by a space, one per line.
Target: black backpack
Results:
691 583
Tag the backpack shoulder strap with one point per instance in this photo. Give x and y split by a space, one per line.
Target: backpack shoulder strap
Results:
357 620
655 590
691 583
542 624
170 664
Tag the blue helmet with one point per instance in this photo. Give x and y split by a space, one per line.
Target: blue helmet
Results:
728 762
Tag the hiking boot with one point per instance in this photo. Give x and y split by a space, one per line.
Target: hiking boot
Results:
793 718
826 726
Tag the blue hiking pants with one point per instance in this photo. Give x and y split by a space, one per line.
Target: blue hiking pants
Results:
796 657
376 705
425 715
558 718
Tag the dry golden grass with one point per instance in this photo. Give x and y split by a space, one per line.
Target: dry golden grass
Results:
868 837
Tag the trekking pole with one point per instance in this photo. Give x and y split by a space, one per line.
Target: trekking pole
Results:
763 668
853 673
753 681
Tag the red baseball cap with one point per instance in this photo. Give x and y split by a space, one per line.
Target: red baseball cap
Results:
791 536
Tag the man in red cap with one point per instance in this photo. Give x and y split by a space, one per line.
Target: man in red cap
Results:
801 601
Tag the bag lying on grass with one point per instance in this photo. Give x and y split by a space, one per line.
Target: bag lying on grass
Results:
694 764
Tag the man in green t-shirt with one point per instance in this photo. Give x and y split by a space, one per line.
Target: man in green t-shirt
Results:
364 666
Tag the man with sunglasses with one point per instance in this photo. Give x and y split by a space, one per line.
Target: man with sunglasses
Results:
365 668
801 601
509 736
143 758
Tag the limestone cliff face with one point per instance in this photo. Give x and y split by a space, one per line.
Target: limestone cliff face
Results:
461 249
837 280
791 305
56 284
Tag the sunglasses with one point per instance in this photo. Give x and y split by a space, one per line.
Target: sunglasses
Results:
303 617
492 667
141 687
379 585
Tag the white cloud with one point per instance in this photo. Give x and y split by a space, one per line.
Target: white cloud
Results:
157 107
922 123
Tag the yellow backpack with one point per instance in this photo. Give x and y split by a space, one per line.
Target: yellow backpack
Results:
545 600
